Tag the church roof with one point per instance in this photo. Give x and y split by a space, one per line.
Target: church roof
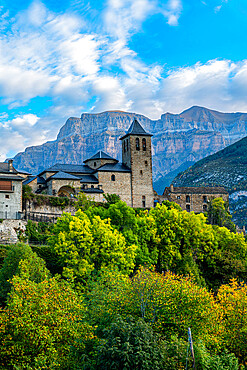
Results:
74 168
63 176
100 155
114 167
88 179
136 129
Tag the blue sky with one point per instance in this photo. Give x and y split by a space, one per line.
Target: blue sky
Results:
59 59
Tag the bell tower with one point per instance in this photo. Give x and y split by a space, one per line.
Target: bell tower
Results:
137 155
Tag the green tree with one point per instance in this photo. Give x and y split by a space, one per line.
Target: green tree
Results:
35 267
84 246
218 214
40 324
130 344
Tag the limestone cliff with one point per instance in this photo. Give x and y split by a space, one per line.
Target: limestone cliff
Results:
177 138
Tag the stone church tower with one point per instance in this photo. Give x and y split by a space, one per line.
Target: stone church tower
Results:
137 155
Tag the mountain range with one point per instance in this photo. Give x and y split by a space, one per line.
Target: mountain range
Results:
179 140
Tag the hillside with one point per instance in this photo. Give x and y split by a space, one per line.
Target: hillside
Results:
178 139
228 167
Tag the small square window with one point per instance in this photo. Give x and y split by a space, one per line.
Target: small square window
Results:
178 196
7 196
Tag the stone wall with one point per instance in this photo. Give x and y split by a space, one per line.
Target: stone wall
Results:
121 186
141 172
11 201
9 229
56 185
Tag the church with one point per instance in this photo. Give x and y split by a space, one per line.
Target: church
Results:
101 174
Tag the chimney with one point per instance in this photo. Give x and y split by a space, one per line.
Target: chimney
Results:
10 165
172 188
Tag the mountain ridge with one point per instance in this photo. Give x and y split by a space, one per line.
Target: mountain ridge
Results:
177 138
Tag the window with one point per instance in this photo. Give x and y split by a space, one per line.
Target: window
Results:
205 199
95 164
187 207
178 196
187 199
7 196
6 185
6 205
113 178
143 201
146 163
92 187
137 143
144 144
205 208
141 172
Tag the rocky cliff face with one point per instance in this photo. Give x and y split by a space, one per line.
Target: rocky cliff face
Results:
177 138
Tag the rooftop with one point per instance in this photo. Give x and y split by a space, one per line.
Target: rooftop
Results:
136 129
114 167
198 190
71 168
63 176
100 155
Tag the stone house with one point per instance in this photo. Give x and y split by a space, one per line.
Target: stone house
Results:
10 191
100 174
194 198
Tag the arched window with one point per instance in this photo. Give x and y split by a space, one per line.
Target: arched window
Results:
95 164
187 199
124 146
113 178
137 143
144 144
92 187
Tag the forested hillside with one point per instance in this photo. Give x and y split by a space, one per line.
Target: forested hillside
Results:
118 288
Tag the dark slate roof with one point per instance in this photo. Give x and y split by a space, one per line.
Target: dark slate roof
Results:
93 190
23 172
4 168
63 176
75 168
10 176
198 190
28 180
100 155
136 129
40 180
89 179
114 167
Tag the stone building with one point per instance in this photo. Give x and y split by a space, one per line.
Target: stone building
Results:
102 174
194 198
10 191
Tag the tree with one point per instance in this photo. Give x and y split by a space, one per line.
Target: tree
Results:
34 266
233 301
84 246
130 344
218 214
40 324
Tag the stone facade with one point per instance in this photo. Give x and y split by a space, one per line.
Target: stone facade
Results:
120 186
10 192
194 199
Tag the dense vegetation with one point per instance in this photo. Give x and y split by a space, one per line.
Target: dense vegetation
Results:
117 288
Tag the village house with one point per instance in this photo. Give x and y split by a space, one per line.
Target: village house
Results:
194 199
10 191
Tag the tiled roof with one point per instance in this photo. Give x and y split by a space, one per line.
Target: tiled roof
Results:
136 129
198 190
100 155
28 180
88 179
74 168
114 167
63 176
40 180
10 176
4 168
